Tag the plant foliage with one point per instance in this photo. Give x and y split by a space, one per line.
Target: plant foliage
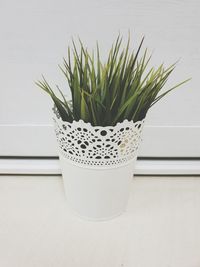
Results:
106 93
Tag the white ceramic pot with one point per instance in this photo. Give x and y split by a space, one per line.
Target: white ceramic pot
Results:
97 194
97 165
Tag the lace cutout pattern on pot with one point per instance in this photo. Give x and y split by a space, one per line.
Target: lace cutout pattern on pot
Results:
89 145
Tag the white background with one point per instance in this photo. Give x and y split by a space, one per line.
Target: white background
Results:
34 36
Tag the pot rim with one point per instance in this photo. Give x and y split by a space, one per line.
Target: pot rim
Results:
98 167
98 147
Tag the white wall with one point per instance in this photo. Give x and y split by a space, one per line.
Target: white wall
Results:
34 36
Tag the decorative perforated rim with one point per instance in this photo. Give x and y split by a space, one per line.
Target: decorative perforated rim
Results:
97 146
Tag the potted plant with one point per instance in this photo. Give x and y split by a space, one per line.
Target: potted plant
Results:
99 128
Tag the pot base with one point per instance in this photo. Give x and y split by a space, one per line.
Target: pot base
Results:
92 219
97 194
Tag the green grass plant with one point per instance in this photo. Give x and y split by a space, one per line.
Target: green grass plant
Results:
123 87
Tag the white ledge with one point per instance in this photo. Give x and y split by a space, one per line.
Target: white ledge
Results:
143 167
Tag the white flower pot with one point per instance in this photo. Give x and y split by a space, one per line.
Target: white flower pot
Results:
97 194
97 165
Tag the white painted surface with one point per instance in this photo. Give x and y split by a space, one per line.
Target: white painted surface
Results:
142 167
159 229
34 36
